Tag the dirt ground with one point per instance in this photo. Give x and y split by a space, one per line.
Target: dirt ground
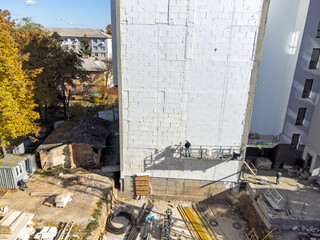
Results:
300 193
86 190
226 216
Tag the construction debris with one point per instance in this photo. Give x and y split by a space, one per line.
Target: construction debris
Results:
263 163
62 199
144 212
46 233
165 228
252 235
65 232
16 225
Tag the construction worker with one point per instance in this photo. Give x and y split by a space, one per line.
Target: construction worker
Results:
279 174
187 146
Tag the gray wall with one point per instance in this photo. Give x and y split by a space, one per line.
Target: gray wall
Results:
115 39
302 72
285 24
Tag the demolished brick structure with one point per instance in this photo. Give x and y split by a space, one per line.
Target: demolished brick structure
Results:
75 143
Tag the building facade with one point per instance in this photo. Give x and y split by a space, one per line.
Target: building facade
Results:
101 42
288 85
186 71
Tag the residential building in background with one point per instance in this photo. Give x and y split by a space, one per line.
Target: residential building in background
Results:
286 108
101 42
99 76
186 70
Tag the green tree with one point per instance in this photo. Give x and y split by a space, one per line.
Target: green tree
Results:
85 46
58 69
17 115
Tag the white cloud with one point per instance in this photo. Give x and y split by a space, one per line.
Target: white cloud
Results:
61 19
72 23
31 2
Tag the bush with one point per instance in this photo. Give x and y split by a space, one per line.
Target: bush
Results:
93 225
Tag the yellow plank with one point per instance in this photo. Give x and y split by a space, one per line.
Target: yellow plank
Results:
197 224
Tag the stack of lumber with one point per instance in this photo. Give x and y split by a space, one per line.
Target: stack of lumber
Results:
16 225
142 185
62 199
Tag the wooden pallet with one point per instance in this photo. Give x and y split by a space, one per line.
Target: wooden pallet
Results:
142 185
252 235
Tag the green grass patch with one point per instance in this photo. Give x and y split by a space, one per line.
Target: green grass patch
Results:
94 224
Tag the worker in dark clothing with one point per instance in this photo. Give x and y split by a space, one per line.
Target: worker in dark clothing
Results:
187 146
22 185
281 165
279 174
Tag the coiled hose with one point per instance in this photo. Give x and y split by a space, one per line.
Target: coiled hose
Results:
120 230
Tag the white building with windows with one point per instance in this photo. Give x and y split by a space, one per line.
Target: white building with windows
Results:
101 42
286 104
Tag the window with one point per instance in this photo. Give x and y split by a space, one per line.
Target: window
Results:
300 116
96 54
318 31
314 62
18 170
307 88
84 88
103 48
95 48
295 141
65 47
103 54
94 40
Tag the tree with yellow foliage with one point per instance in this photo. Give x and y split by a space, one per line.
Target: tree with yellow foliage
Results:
17 115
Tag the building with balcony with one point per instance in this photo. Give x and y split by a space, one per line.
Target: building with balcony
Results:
286 102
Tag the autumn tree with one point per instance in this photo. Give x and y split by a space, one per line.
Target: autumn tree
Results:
59 68
17 114
85 46
109 29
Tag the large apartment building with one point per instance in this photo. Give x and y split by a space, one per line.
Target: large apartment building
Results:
286 106
101 42
186 70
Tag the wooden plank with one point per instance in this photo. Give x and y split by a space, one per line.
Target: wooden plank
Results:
142 192
43 193
137 178
249 168
142 187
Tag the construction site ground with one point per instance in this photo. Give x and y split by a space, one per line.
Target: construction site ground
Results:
86 190
301 193
226 214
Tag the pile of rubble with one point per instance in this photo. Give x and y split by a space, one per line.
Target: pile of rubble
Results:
310 229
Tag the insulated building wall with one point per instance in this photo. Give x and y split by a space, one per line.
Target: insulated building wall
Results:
184 74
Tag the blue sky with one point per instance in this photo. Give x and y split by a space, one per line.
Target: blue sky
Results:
62 13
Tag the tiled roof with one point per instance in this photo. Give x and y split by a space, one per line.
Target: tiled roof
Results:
91 64
76 32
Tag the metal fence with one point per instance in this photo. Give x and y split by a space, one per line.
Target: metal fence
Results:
211 152
264 140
